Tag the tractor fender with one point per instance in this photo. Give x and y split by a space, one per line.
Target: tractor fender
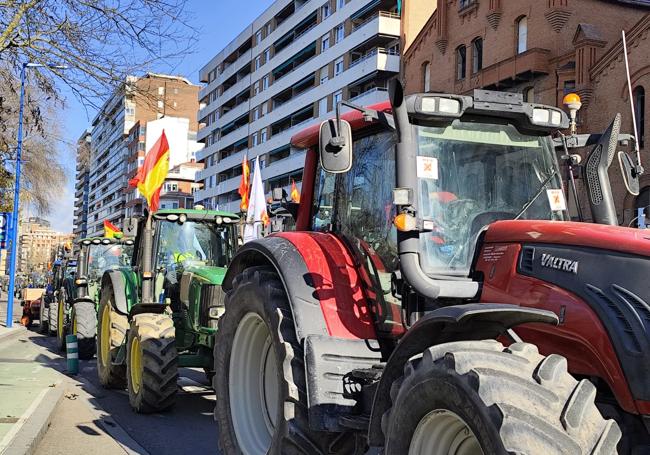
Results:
115 279
320 280
83 299
476 321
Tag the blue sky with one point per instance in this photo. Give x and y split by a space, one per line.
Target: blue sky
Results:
219 22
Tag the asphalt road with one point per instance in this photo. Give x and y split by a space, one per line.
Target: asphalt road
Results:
188 428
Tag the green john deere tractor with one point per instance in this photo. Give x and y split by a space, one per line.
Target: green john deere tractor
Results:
96 255
161 313
77 281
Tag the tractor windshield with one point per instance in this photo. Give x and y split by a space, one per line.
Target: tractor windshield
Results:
471 174
107 257
196 243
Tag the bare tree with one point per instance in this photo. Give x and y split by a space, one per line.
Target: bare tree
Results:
101 42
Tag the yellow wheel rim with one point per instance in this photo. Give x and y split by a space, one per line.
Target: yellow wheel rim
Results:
135 365
74 323
59 321
105 340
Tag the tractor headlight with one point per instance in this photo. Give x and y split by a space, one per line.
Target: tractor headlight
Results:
218 219
106 241
547 117
97 242
182 218
86 242
172 217
438 105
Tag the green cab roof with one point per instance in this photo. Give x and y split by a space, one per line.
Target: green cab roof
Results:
196 214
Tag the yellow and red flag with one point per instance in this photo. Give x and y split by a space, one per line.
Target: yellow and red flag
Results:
151 176
244 184
295 194
110 229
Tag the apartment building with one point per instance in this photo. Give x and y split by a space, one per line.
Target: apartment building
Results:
183 146
140 99
36 241
82 179
180 186
542 50
286 70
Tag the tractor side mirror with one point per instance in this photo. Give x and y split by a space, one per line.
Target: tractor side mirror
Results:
335 140
629 172
130 227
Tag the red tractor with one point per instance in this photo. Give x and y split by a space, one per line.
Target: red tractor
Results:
435 298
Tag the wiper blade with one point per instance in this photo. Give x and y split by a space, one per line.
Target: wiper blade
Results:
541 189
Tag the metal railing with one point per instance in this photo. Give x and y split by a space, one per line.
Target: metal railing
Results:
372 53
371 18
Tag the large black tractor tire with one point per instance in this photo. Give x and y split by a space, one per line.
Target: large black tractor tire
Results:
152 363
111 331
43 327
486 398
84 325
61 326
53 316
254 415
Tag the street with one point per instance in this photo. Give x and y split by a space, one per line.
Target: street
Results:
187 428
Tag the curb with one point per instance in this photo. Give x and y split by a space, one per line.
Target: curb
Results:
13 333
36 423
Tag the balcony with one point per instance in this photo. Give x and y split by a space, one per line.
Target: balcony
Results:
515 70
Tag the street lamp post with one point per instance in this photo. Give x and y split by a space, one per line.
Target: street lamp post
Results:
14 221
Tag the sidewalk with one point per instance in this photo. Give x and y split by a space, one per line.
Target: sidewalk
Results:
17 311
30 389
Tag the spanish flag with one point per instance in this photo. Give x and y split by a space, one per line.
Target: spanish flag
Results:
244 184
110 229
151 176
295 194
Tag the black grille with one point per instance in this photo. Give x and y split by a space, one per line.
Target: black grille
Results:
526 259
211 296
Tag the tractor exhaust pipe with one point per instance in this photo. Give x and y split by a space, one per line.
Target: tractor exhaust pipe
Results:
596 175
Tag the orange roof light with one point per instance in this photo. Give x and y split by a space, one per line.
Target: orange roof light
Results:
572 101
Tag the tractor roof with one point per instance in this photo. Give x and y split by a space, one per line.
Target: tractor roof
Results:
482 103
194 214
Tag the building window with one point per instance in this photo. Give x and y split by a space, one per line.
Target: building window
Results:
477 55
263 139
461 62
267 55
322 106
258 37
324 75
161 90
258 62
340 4
340 33
639 113
256 113
529 95
325 10
462 4
268 29
265 82
255 140
325 43
160 105
338 96
426 77
338 66
522 34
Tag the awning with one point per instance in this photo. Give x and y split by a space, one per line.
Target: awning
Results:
365 9
293 58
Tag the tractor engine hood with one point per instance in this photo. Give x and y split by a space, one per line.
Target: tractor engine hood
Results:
606 267
603 237
213 275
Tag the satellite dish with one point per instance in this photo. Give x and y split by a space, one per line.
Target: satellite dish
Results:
630 175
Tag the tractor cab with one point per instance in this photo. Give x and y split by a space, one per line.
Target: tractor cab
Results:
412 187
96 255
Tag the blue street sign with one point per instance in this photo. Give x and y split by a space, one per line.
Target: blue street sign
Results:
5 225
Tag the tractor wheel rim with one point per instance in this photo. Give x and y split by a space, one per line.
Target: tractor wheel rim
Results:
253 384
135 365
105 339
443 432
59 322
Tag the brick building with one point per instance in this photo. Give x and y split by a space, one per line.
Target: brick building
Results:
540 48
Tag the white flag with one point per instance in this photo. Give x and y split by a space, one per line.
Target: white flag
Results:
256 216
